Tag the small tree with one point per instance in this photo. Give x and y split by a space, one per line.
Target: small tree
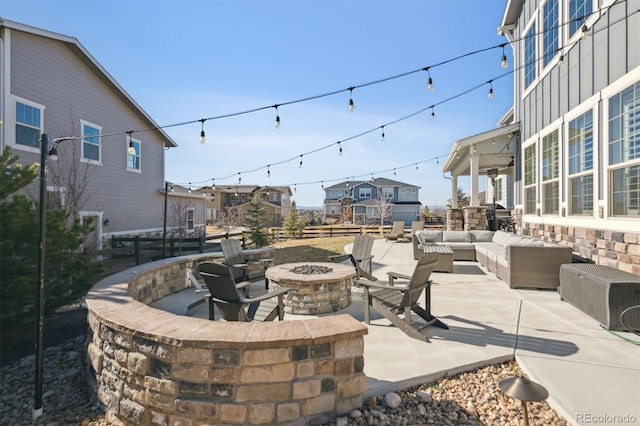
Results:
227 218
426 213
69 271
255 221
293 223
179 219
463 199
383 206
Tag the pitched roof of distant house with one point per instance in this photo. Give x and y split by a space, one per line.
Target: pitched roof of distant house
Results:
83 54
247 189
181 191
375 182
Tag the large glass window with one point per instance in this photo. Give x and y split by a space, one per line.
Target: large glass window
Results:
133 160
90 142
578 12
624 151
28 125
550 173
580 164
387 193
530 56
551 30
530 179
190 219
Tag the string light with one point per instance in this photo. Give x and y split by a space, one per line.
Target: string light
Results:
277 117
131 150
352 106
416 167
268 170
239 178
433 114
213 183
430 80
561 60
437 161
490 94
394 172
189 190
203 138
382 135
585 31
300 165
322 184
504 63
340 148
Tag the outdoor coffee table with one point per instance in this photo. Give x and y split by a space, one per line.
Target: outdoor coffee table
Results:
445 257
328 290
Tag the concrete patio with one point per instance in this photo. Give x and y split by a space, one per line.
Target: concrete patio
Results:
587 370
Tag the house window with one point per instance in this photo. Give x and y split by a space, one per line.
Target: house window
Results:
90 142
365 192
190 220
530 179
133 160
578 12
498 189
581 164
56 198
530 56
387 193
28 124
550 181
550 33
624 151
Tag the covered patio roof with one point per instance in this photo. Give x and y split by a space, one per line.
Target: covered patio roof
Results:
474 155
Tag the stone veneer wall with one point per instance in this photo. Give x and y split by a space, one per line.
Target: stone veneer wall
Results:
475 218
455 219
152 367
620 250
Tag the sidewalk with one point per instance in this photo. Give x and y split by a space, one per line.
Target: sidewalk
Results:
588 371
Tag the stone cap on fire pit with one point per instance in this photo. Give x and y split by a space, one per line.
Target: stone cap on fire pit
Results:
310 273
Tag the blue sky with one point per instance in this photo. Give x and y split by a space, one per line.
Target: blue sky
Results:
186 60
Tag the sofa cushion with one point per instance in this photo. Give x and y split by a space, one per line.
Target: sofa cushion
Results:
482 236
500 237
513 239
456 236
428 236
459 246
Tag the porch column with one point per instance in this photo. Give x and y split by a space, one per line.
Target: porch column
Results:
454 191
473 166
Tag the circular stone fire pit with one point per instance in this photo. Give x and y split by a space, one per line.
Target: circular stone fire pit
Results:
316 287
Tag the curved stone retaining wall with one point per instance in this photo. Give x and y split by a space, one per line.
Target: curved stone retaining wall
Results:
153 367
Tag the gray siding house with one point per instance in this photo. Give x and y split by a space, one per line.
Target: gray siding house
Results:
574 131
49 83
364 202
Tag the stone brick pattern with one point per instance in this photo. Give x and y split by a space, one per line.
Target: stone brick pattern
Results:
152 367
620 250
455 219
475 218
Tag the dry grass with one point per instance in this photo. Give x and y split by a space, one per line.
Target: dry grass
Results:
309 249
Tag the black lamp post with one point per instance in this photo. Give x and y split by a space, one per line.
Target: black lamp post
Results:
164 227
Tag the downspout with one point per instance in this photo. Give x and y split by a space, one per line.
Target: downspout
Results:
453 199
2 79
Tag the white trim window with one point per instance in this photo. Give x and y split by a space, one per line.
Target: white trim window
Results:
133 160
91 146
530 194
29 122
578 9
580 161
190 219
387 193
498 189
624 151
529 50
550 35
365 192
550 173
56 197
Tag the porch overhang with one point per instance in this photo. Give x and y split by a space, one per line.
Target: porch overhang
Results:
491 152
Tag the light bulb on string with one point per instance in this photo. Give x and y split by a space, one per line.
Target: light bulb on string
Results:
382 135
295 188
433 114
585 31
352 106
268 170
277 117
189 190
213 184
437 161
239 178
430 80
490 94
503 62
340 152
203 138
131 150
416 167
394 172
300 165
322 184
561 60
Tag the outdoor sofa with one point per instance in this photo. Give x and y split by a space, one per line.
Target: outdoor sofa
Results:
520 261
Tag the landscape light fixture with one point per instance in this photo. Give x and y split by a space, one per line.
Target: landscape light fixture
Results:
525 390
